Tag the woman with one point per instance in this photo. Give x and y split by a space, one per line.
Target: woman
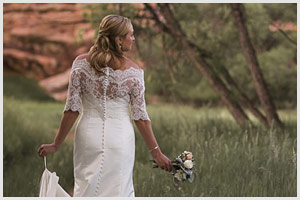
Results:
105 83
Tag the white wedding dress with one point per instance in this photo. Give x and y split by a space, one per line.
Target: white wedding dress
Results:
104 142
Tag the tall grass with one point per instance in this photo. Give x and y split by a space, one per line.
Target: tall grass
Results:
26 126
230 161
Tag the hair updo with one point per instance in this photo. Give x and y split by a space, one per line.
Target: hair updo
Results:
102 52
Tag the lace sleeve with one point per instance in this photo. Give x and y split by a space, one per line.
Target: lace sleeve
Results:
137 99
74 95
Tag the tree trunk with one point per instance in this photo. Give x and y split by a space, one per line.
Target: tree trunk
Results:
240 94
243 97
217 84
259 82
173 28
120 8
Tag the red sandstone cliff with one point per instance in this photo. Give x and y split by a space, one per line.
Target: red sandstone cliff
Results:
41 40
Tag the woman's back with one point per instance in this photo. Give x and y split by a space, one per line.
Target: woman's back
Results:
104 145
86 87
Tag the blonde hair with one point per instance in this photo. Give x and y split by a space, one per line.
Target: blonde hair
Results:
102 52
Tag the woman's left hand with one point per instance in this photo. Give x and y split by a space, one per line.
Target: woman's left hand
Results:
161 160
45 149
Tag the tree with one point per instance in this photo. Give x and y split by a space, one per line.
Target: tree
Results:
245 101
209 31
171 26
238 11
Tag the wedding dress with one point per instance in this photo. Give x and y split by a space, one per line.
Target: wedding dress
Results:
104 142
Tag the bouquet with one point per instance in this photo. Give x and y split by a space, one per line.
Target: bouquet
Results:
183 167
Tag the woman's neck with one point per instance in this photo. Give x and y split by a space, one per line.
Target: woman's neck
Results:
117 63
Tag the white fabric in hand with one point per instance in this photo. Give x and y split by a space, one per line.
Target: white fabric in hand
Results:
49 186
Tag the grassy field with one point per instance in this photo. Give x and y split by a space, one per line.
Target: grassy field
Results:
230 161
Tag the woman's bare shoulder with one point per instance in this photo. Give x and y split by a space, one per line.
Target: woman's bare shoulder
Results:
82 57
131 63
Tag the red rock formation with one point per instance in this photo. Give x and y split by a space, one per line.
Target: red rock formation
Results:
41 40
285 26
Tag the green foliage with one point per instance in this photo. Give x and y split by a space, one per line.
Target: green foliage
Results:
20 87
281 76
211 27
278 11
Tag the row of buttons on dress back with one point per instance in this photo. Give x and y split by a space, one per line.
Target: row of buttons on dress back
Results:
105 84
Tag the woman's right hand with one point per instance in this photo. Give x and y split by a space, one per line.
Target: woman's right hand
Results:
161 160
45 149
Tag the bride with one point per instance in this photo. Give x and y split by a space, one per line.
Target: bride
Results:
103 85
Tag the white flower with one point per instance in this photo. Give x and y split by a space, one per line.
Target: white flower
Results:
179 175
188 164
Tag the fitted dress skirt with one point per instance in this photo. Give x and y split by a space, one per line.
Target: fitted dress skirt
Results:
104 156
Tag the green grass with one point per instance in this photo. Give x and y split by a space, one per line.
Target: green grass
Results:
24 88
230 161
26 126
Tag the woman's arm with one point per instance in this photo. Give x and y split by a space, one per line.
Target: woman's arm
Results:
145 129
66 124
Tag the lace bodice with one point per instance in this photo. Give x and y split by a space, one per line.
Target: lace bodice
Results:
87 83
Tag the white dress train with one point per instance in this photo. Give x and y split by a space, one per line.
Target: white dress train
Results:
104 142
